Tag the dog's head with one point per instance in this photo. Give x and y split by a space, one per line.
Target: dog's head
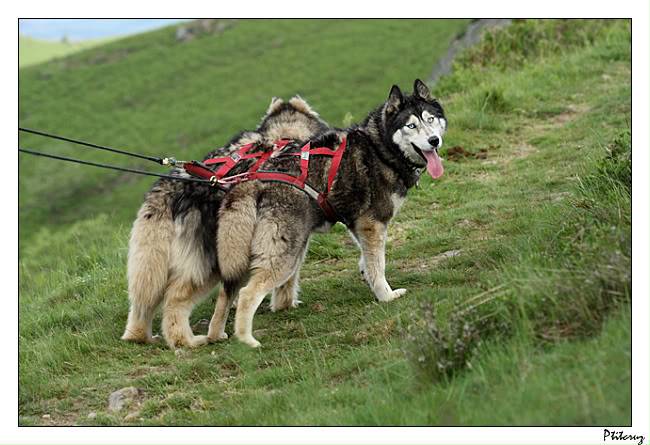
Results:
294 119
415 125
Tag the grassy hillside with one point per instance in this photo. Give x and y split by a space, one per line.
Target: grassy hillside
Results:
153 94
33 51
517 260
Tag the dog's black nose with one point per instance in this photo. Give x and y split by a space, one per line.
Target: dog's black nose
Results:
434 141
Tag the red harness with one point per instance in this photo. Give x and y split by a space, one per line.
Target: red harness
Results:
218 176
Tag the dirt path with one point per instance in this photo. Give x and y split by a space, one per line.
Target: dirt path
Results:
471 36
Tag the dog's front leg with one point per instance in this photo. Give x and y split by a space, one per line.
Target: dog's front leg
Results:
372 239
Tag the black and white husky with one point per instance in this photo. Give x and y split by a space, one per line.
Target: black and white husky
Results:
263 228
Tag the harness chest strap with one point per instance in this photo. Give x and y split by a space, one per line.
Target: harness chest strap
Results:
217 177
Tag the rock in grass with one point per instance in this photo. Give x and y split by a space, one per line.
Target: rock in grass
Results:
131 417
122 398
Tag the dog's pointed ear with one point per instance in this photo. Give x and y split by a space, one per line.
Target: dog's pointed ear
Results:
301 105
421 90
275 104
395 100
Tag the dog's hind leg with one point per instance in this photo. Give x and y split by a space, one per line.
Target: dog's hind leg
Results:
139 323
217 329
192 274
147 269
286 296
275 259
180 298
262 281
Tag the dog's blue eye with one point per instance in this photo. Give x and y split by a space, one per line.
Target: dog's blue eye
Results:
411 126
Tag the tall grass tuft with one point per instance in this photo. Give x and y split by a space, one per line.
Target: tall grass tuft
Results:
615 166
442 341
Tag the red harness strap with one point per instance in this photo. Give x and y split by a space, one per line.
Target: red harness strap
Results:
218 177
195 168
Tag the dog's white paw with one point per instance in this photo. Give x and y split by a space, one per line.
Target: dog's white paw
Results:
250 341
219 337
197 340
393 295
284 306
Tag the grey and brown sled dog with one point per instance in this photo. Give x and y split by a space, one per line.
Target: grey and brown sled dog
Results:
263 228
172 251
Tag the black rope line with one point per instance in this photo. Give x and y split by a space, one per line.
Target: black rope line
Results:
113 167
88 144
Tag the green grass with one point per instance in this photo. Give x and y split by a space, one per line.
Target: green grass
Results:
542 225
34 51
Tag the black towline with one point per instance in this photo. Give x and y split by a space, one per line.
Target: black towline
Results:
161 161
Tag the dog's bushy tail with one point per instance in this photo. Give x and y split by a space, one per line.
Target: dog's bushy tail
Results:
237 220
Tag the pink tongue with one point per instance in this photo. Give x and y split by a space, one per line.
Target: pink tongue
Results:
434 164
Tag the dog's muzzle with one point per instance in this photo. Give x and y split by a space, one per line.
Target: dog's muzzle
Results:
434 141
